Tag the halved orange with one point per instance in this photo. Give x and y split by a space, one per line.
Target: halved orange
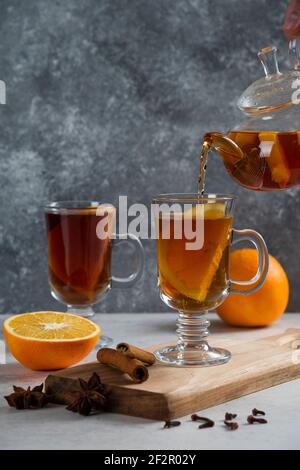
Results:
49 340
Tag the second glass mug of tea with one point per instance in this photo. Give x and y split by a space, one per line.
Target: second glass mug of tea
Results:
194 236
80 243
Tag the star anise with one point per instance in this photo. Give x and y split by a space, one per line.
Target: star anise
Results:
23 399
91 396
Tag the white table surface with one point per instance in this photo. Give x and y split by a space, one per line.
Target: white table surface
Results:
55 428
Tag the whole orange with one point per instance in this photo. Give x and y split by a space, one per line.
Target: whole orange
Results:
263 306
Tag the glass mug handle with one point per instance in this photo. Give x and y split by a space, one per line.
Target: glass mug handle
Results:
139 257
263 261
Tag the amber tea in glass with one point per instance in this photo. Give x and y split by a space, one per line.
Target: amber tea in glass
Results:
80 243
194 280
79 261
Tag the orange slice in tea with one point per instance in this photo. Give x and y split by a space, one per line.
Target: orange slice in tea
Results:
49 340
275 158
191 272
214 210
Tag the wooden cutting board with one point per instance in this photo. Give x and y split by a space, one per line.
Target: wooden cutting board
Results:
172 392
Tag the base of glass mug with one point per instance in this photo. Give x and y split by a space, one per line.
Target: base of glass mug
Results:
200 355
88 312
192 348
85 312
104 341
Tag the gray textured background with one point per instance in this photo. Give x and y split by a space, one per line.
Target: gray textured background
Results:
109 97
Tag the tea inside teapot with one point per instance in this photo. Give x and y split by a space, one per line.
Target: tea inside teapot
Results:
261 160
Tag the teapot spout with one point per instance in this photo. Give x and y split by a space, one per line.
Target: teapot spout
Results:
228 149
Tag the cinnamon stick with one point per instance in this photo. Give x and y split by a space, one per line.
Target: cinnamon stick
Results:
137 353
133 367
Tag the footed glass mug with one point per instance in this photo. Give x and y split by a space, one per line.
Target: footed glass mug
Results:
194 235
80 243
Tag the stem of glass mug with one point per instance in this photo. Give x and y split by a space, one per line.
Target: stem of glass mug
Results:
191 330
192 348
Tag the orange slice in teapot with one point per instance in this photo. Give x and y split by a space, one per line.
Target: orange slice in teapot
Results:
272 150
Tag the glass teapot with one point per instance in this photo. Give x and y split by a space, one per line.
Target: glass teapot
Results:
262 153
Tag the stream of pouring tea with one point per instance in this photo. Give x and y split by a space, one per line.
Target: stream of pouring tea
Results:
203 165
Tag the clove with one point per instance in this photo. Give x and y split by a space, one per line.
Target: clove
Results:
251 420
171 424
207 423
230 416
231 425
257 412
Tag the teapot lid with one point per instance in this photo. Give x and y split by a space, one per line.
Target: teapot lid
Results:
276 90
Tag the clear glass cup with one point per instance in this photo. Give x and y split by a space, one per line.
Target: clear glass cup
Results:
80 243
194 236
